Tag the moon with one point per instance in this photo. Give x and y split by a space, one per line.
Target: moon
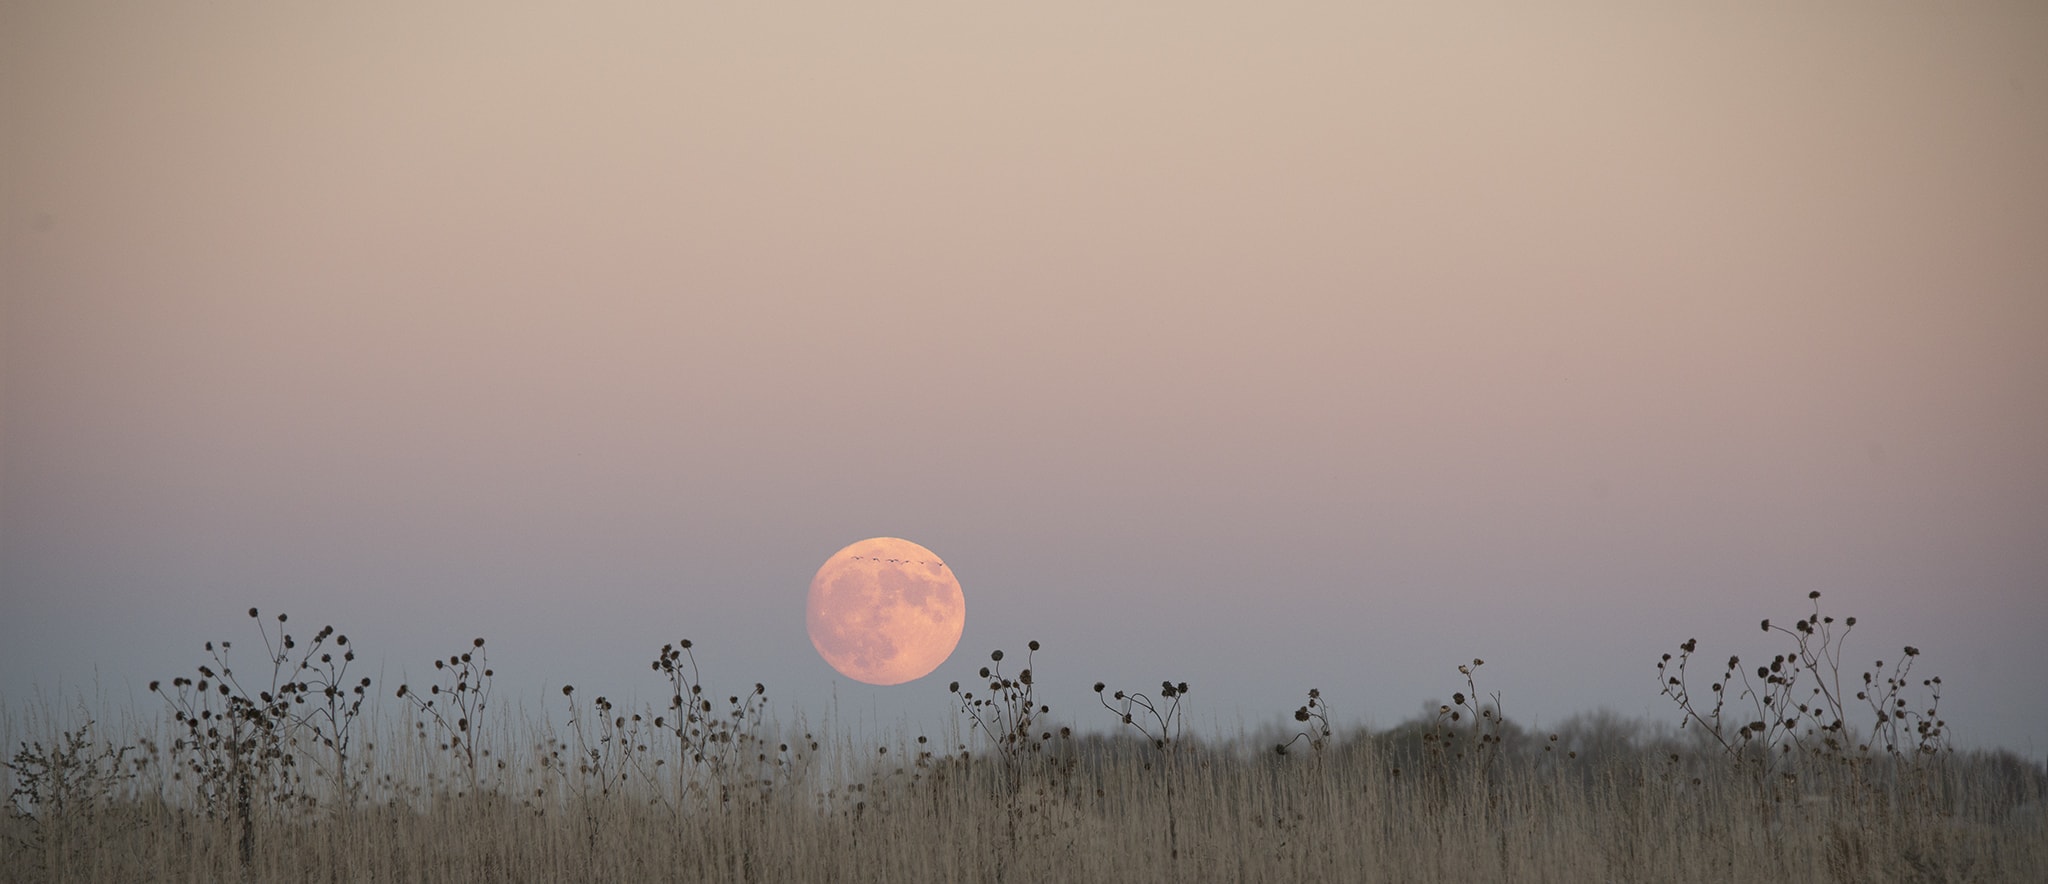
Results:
885 611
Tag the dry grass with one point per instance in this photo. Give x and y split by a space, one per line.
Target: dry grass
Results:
292 774
1092 809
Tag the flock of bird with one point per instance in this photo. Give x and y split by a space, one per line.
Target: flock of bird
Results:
898 561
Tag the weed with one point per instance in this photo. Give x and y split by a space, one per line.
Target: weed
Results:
238 741
77 775
726 742
1315 716
455 704
1796 703
1158 719
1008 715
1161 723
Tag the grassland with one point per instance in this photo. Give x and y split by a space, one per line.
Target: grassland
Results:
308 775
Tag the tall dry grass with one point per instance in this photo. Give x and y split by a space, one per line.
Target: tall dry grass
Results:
244 783
1092 808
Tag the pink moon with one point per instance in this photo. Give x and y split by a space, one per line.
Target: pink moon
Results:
885 611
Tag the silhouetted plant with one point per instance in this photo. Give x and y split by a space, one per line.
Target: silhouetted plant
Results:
455 704
1159 720
68 783
1796 703
1315 717
1008 715
1161 723
326 702
237 741
603 759
1790 724
727 746
1464 734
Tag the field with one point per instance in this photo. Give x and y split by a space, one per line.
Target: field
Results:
313 776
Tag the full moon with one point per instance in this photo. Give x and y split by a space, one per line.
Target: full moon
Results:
885 611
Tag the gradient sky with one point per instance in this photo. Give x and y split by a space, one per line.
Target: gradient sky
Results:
1264 347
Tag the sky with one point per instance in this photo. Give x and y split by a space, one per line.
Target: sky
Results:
1264 347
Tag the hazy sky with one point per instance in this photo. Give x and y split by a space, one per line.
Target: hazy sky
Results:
1260 346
